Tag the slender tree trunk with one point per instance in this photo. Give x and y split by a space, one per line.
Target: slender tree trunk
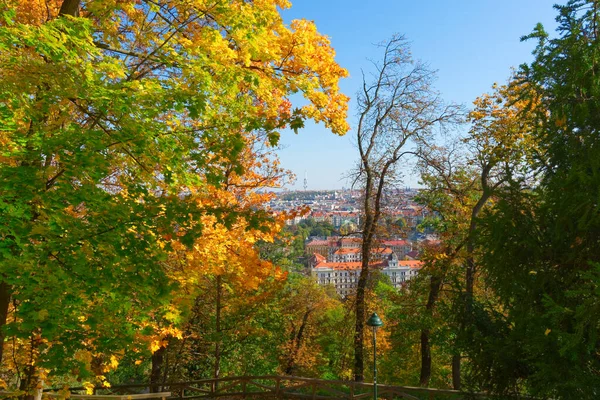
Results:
359 361
435 284
155 373
469 283
165 369
425 358
27 380
371 212
359 334
470 261
456 384
5 295
297 343
470 269
217 366
38 390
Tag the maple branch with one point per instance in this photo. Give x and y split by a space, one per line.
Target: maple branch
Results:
107 132
50 182
179 29
106 47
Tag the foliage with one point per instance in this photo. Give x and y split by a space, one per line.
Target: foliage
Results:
309 227
132 135
540 242
134 139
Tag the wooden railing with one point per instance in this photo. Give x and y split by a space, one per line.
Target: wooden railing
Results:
287 387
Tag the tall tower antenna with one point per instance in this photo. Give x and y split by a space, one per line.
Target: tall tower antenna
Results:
305 181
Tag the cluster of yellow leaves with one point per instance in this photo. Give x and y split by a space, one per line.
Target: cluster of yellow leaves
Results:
97 362
502 123
157 337
231 250
35 12
224 251
89 386
252 37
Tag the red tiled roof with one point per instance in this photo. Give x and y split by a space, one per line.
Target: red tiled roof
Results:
355 250
382 250
395 242
352 265
347 250
412 264
319 258
413 254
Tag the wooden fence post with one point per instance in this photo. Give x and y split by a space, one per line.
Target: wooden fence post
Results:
277 387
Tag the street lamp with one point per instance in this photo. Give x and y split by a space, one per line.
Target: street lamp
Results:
375 322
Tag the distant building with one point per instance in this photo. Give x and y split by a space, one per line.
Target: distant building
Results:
344 275
339 217
349 242
412 255
317 246
348 249
344 255
400 247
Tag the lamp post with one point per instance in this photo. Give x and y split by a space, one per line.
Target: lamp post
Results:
375 322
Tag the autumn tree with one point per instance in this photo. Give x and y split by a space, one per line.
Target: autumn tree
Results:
396 108
541 241
461 180
120 120
223 276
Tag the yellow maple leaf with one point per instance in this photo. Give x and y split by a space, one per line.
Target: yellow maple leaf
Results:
89 387
114 363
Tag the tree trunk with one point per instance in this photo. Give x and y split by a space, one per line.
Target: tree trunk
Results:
371 212
435 284
155 373
469 284
26 384
217 369
425 358
456 372
359 334
5 294
297 342
470 268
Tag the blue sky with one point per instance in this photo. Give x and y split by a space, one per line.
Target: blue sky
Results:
471 44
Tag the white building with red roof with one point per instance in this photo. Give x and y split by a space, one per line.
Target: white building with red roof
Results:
344 275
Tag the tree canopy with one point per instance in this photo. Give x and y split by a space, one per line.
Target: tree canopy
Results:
137 138
132 131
